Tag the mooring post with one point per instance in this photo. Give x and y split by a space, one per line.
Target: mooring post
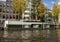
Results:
5 29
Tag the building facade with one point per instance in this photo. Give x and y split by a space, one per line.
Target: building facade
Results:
6 11
27 13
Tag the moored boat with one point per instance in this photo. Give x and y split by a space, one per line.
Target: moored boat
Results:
16 25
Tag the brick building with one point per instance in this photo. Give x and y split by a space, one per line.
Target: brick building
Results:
6 11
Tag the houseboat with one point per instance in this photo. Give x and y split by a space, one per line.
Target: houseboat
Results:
16 25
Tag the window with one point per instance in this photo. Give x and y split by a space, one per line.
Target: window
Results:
0 15
16 16
3 16
11 10
9 0
4 5
8 5
0 5
4 10
28 0
7 11
13 16
10 17
6 16
0 10
28 8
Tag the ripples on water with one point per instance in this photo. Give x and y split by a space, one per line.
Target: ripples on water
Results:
30 36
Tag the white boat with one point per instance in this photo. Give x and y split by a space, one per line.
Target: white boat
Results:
27 24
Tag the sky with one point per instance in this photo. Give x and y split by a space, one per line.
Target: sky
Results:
49 3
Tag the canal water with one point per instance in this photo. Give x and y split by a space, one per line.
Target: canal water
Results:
30 35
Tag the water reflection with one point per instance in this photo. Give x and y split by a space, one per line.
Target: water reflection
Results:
30 35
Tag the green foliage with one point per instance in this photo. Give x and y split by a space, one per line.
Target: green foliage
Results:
55 11
35 4
38 7
19 6
41 9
